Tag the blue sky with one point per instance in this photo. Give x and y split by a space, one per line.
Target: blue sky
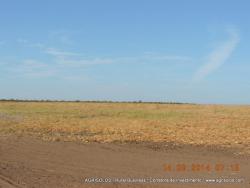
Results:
150 50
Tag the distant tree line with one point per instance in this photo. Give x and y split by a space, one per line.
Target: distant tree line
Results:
88 101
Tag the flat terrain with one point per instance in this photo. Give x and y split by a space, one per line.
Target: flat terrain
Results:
59 144
226 126
29 162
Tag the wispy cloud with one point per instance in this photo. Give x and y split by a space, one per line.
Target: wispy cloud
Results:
165 57
82 62
22 41
60 62
219 56
31 68
64 37
76 59
60 53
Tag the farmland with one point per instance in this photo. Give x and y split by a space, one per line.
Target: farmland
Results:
59 144
178 124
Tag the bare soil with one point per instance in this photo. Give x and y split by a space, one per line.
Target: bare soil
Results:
33 163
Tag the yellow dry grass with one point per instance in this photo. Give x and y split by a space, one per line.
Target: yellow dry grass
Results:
227 126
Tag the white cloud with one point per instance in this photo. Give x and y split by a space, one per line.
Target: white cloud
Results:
164 57
62 36
82 62
78 59
22 41
31 68
219 56
32 63
74 59
65 40
37 45
59 53
61 60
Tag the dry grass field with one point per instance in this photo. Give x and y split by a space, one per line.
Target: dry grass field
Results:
225 126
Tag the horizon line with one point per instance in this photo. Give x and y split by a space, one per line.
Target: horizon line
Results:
114 101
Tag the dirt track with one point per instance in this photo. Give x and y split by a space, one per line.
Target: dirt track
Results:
29 162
